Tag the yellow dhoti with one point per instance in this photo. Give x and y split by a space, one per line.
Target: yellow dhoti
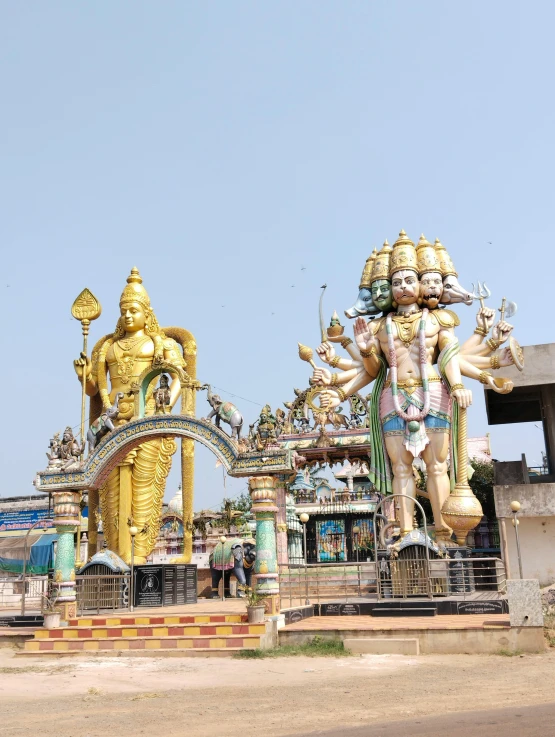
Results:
135 490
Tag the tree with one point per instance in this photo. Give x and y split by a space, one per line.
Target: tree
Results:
236 511
481 484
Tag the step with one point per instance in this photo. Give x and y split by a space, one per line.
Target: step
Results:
172 630
111 644
144 619
406 612
383 645
199 652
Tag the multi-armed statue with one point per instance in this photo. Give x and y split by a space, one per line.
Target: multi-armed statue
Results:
411 353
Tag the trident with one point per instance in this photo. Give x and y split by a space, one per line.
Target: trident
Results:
507 309
481 292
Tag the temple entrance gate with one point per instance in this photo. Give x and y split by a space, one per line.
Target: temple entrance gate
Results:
263 470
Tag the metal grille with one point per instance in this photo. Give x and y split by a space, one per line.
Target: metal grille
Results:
326 582
96 593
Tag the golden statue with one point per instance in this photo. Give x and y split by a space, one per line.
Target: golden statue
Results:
135 488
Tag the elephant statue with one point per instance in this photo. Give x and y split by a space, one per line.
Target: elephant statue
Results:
225 411
104 424
234 556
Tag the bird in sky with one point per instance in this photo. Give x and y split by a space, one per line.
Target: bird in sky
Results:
292 285
490 243
303 268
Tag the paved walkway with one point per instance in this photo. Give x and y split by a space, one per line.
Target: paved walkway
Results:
439 622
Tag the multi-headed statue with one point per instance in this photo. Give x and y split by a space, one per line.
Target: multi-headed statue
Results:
412 355
135 488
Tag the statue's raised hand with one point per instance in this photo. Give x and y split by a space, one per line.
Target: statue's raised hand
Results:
501 331
485 318
329 399
82 364
326 352
321 377
363 335
505 357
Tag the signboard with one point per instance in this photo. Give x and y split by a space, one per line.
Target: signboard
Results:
22 519
165 585
480 607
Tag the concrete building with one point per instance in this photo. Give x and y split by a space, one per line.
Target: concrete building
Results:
532 400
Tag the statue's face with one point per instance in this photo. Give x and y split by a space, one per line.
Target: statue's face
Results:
133 316
405 287
431 288
381 294
68 435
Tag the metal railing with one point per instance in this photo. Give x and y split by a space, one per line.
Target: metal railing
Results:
461 578
101 593
318 582
12 588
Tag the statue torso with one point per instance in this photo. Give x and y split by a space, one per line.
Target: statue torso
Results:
127 358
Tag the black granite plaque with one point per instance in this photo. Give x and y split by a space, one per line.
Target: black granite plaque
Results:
349 610
165 585
148 585
480 607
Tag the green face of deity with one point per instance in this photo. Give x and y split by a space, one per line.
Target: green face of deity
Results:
382 296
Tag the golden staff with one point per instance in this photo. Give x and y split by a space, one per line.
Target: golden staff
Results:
85 309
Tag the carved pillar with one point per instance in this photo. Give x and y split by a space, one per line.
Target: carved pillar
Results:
281 521
263 495
66 520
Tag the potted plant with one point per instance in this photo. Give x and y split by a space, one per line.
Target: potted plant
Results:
51 615
255 605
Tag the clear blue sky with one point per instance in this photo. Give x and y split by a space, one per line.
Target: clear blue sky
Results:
222 146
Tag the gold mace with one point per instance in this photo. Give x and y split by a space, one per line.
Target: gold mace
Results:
85 309
306 354
461 510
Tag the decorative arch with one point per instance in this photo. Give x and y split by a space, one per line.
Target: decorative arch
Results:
115 446
140 387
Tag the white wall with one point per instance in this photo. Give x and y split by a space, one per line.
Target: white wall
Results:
537 547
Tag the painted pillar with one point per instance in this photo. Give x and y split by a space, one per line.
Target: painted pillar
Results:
281 521
263 494
66 520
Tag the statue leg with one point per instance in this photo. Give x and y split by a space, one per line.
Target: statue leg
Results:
216 575
151 467
227 579
435 458
403 479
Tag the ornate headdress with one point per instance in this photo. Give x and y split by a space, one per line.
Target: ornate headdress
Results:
445 264
380 270
403 255
426 257
134 291
366 278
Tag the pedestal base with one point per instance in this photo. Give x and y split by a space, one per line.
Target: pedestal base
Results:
67 609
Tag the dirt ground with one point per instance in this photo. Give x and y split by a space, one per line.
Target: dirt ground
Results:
86 697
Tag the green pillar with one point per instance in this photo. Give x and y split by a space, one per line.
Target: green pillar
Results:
263 495
66 520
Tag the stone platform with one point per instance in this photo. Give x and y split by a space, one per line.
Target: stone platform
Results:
460 633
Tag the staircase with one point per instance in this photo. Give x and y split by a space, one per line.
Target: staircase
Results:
404 608
185 636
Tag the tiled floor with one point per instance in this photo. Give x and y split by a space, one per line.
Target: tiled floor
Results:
447 621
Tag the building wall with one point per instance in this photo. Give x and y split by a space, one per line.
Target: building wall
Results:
537 546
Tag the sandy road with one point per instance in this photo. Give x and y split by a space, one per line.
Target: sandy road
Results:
281 696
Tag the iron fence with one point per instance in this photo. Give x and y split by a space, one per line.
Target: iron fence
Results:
461 578
11 591
101 593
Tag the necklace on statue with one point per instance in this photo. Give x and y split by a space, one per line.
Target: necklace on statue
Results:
416 416
126 361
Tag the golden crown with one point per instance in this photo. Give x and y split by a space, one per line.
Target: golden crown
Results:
366 278
426 257
380 270
403 255
446 266
134 291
